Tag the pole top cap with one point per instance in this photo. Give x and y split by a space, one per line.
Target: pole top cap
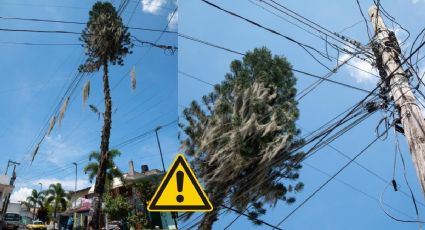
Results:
373 10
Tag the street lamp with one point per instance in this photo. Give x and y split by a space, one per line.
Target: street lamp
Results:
173 214
75 193
159 146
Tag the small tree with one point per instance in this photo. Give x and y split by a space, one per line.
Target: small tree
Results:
242 138
145 190
117 207
106 41
58 199
43 213
36 199
112 171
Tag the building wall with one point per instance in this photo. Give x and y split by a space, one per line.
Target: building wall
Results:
5 188
21 210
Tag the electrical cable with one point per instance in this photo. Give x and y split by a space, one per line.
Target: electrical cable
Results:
305 47
327 181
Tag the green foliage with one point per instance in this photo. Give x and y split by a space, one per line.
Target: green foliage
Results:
57 197
43 215
56 200
112 170
139 218
117 206
36 199
242 135
105 38
145 190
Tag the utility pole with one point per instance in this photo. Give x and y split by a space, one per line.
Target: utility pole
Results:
9 163
159 146
75 195
174 215
387 53
12 182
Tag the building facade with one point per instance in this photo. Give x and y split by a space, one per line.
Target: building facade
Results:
82 200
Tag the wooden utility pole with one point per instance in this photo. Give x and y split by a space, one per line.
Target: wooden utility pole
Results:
11 183
394 78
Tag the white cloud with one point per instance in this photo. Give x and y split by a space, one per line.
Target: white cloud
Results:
152 6
21 194
67 184
360 70
173 18
401 36
59 151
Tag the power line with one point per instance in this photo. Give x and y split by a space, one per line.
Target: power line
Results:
196 78
209 44
40 31
80 23
332 81
305 47
355 189
327 181
39 44
137 138
295 70
315 26
365 20
348 185
250 217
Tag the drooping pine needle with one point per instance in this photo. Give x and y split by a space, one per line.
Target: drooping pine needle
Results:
35 152
52 124
133 78
62 110
95 110
86 91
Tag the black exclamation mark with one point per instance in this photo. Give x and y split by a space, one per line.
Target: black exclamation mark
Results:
180 176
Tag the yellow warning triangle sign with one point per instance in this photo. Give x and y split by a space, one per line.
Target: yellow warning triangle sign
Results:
180 191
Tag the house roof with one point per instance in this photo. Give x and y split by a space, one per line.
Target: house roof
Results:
133 177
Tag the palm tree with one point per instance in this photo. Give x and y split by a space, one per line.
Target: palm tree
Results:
57 198
112 170
36 198
106 40
27 205
243 137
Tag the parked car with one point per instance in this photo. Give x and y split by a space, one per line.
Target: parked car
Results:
11 221
36 224
114 225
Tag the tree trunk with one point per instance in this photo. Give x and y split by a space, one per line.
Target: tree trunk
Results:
210 217
148 218
33 214
54 219
104 149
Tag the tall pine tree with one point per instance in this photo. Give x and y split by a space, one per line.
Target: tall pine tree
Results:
106 41
242 136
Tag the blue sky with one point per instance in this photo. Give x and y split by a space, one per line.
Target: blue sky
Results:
34 78
350 201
